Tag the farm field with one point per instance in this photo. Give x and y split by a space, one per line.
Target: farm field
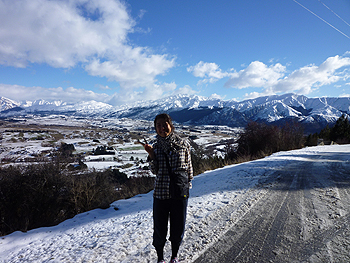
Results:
33 140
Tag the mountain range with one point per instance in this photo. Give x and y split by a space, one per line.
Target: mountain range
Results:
313 113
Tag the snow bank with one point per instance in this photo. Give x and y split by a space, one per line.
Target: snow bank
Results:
123 232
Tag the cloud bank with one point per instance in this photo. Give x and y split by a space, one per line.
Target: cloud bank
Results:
92 34
274 79
22 93
74 95
209 72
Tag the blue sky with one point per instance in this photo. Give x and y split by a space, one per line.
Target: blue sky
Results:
120 52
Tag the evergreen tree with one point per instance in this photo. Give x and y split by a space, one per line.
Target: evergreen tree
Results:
341 130
325 133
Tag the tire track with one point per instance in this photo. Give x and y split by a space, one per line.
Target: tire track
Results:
250 236
302 219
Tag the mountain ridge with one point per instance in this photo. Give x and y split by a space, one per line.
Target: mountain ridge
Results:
315 113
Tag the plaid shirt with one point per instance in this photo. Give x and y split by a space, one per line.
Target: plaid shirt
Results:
179 160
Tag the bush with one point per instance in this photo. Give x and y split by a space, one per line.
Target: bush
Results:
205 160
46 194
90 190
66 150
31 197
259 140
103 150
135 186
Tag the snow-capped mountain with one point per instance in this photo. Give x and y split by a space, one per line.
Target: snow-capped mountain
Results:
314 113
11 108
6 104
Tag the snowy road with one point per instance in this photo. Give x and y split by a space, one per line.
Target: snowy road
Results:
289 207
303 218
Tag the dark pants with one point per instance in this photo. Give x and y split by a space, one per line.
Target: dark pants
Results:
176 211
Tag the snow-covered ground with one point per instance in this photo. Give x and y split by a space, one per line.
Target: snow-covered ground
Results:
34 138
123 232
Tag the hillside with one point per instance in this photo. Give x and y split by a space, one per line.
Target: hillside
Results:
220 200
313 113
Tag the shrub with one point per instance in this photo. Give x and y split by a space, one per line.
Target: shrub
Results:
204 160
135 186
46 194
103 150
31 196
260 139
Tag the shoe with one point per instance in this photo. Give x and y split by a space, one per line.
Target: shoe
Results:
175 260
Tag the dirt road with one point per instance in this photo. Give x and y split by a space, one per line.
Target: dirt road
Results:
304 218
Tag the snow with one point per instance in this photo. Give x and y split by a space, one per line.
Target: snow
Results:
123 232
326 108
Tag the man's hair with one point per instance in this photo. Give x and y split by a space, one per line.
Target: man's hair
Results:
165 117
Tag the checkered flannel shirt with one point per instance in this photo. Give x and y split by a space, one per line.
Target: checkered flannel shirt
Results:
179 160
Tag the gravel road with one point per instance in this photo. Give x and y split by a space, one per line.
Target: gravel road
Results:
303 218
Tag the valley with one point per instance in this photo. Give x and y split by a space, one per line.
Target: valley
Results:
313 113
33 139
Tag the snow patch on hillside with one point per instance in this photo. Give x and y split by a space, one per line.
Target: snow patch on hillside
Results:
123 233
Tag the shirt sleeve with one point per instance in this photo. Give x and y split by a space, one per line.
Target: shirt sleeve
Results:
189 164
153 163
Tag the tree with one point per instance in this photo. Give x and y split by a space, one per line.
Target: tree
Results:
339 133
258 139
292 136
341 130
103 150
325 133
261 139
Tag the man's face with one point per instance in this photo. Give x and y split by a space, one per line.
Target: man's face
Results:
163 128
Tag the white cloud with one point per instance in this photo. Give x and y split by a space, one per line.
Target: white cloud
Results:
257 74
102 87
56 32
134 70
306 79
211 72
186 90
273 79
21 93
216 96
253 95
67 33
155 92
73 95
